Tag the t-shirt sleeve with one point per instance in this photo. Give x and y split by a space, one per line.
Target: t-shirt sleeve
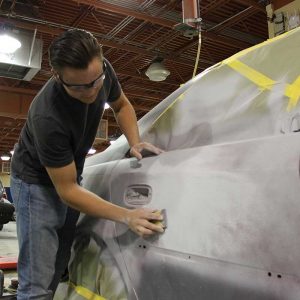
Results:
52 143
115 87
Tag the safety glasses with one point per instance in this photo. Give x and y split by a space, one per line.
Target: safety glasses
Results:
83 87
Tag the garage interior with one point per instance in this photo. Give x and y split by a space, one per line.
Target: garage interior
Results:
135 34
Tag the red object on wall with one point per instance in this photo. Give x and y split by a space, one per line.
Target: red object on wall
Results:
9 262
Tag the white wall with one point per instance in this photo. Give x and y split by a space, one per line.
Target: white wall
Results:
288 10
5 178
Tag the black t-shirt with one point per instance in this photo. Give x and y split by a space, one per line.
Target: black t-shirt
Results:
60 129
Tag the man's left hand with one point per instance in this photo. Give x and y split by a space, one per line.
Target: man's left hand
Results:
137 149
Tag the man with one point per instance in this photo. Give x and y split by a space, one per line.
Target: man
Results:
49 158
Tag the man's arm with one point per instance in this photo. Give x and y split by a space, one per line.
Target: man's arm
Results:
126 119
75 196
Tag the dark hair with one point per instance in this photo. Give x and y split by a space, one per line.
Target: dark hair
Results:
75 48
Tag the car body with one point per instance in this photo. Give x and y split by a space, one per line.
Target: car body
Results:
229 181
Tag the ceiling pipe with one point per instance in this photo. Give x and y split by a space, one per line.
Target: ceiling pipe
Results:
126 12
191 12
234 19
253 3
56 28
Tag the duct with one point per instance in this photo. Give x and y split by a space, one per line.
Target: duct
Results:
26 61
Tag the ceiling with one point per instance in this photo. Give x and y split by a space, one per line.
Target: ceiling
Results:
133 33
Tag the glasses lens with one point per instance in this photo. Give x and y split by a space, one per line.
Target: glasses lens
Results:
98 81
83 87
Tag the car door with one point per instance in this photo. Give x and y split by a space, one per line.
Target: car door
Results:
233 223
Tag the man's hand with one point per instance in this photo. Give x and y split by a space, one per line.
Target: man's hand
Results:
139 221
138 148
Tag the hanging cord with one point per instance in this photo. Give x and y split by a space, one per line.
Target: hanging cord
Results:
198 51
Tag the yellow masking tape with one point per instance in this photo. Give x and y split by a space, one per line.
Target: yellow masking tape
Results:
85 293
293 92
256 77
261 80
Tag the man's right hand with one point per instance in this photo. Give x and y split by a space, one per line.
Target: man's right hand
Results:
139 221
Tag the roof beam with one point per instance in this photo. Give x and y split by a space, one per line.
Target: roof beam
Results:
44 28
127 12
32 25
212 5
226 40
246 13
142 95
82 15
253 3
166 23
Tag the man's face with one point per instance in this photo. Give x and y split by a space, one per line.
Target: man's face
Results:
83 84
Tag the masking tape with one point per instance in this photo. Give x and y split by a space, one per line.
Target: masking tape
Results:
256 77
85 293
293 92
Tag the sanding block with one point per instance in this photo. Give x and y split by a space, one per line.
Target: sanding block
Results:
162 222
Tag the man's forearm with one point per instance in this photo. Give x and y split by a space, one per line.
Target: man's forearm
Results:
139 220
89 203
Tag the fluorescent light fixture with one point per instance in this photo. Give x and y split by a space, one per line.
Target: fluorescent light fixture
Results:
106 106
5 157
157 72
8 44
92 151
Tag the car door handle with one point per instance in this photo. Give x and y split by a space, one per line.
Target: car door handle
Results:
291 124
138 195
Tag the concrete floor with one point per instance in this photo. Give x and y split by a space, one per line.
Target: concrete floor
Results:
9 247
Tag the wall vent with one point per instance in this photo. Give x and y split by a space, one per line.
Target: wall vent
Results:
6 167
26 61
102 131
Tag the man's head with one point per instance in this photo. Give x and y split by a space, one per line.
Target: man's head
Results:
77 62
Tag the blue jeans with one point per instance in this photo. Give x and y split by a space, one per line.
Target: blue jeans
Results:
45 230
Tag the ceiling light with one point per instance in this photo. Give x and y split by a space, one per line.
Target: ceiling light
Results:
157 72
5 157
8 44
